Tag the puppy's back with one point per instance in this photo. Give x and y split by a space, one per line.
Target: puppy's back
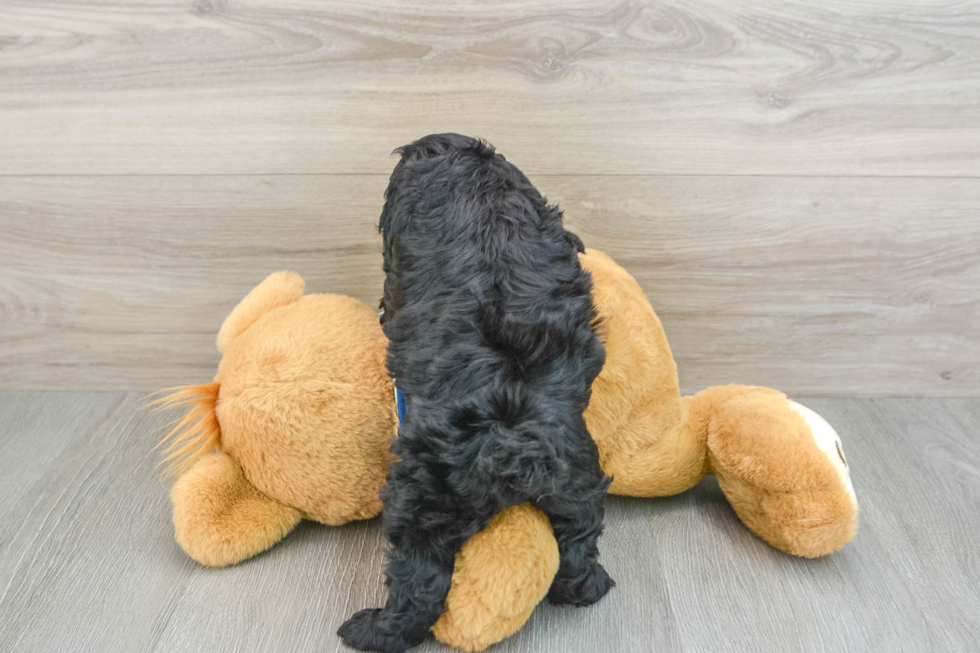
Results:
483 282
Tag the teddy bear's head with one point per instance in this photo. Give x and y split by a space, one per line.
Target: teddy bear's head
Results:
296 424
305 405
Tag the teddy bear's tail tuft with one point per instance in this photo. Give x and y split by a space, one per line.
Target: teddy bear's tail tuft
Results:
194 435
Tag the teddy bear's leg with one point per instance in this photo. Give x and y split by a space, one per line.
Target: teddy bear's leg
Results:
220 518
783 470
500 574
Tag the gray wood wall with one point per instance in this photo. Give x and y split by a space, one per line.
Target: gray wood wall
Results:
796 186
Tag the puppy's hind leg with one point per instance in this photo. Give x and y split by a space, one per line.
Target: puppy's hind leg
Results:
418 583
576 514
426 529
577 524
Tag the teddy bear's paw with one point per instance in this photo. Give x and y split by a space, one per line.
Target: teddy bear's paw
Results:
782 468
581 591
829 444
220 518
366 631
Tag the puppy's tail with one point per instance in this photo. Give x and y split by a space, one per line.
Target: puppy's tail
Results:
521 463
194 435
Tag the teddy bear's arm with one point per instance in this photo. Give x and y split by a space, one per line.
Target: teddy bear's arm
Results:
220 519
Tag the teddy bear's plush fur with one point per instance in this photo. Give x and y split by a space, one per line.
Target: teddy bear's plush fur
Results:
306 419
298 421
779 464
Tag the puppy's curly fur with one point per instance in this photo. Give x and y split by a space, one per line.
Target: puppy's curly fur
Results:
493 341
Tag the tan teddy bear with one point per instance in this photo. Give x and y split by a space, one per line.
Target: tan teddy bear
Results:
298 420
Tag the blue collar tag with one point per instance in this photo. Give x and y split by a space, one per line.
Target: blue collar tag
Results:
400 405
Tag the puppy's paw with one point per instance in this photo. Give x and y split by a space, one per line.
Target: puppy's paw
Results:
362 632
581 590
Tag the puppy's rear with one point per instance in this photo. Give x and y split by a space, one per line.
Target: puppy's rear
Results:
492 340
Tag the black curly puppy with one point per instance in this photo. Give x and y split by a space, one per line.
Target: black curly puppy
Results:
493 341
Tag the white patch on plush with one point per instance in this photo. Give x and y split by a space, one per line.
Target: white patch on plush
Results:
828 442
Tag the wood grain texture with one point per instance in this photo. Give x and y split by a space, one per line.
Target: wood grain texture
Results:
811 285
795 185
88 561
86 543
882 87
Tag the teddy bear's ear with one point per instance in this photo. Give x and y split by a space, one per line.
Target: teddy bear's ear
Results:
278 289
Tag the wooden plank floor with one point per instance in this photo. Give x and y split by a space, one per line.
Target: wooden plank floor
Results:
88 561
